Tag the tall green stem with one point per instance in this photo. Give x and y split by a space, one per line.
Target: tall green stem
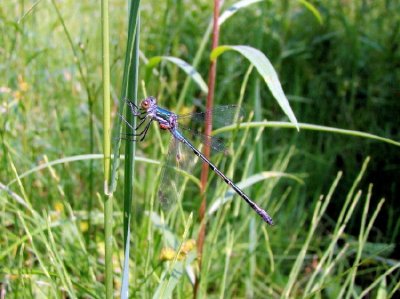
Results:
108 207
129 91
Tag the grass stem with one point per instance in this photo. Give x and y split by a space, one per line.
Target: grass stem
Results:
208 129
108 206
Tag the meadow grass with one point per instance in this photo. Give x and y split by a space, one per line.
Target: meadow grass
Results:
334 235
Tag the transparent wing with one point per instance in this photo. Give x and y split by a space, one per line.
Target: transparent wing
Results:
215 143
172 182
221 115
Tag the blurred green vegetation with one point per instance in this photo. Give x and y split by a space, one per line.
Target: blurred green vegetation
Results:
342 73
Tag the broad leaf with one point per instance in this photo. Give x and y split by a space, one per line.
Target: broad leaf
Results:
266 70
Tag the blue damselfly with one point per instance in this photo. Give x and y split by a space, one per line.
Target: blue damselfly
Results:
167 120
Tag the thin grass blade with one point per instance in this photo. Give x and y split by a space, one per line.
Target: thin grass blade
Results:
186 67
230 11
129 90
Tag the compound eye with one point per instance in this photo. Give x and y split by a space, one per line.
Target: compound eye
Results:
145 104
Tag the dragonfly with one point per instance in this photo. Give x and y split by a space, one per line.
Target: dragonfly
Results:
148 111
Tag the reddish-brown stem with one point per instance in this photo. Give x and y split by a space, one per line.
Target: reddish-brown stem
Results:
208 129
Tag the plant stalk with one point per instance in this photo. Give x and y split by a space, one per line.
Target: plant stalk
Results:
208 129
108 206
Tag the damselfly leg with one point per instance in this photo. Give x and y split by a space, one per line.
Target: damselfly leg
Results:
141 114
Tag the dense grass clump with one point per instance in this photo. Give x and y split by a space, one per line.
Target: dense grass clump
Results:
333 196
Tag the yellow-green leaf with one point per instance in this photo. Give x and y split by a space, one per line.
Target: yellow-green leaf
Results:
313 10
266 70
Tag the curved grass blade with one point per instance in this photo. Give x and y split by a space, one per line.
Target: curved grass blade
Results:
266 70
29 11
306 126
235 8
186 67
79 158
308 5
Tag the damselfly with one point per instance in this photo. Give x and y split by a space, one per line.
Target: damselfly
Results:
149 111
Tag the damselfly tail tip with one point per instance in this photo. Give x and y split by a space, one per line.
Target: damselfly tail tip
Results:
266 217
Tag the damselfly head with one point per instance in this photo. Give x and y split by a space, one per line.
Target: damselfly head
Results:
148 102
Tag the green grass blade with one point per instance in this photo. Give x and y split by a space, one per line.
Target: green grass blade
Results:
234 9
106 93
186 67
80 158
313 10
319 210
305 126
379 279
266 70
29 11
228 251
173 274
41 259
130 89
205 39
328 251
108 205
15 196
58 261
